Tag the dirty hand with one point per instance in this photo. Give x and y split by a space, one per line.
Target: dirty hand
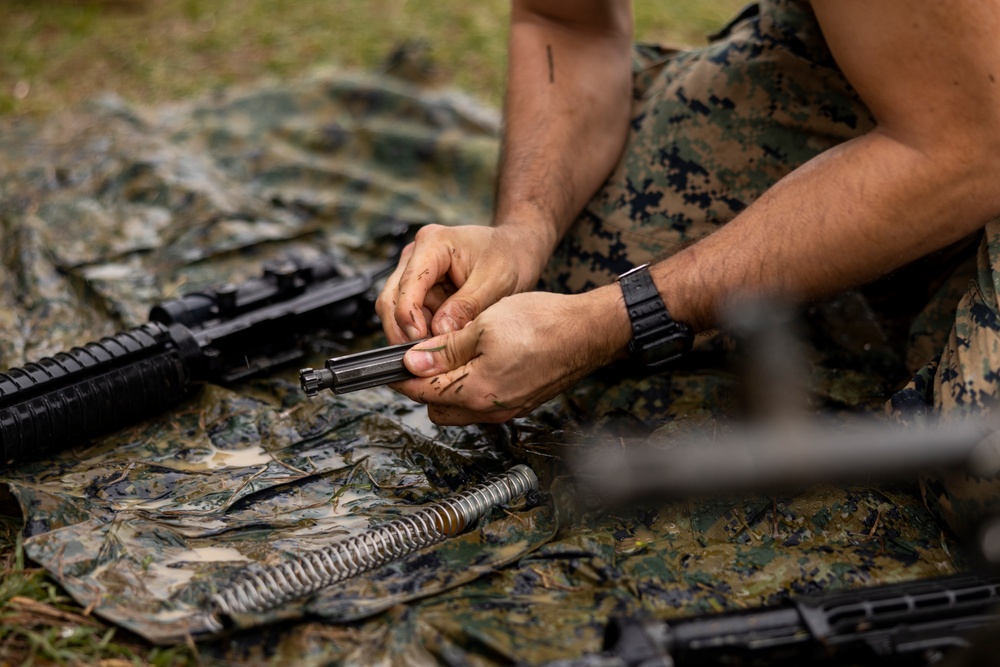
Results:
516 355
449 275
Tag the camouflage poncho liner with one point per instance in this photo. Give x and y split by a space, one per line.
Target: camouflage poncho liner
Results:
112 209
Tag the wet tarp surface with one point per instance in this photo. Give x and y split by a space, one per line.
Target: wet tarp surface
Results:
108 211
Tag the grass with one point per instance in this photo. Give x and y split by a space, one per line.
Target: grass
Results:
40 624
54 54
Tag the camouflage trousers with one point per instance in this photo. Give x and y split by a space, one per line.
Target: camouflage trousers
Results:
959 348
713 129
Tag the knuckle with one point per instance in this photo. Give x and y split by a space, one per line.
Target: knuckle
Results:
447 352
427 232
450 353
508 283
404 277
466 307
382 304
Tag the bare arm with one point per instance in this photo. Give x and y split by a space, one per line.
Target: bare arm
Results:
567 111
928 175
566 114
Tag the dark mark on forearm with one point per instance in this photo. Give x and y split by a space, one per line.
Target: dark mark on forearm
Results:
552 68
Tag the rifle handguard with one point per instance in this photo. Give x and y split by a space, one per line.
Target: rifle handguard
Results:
362 370
90 390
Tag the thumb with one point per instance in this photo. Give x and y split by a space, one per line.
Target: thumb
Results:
441 354
464 306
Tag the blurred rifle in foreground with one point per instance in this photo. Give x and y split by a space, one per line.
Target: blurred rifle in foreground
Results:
913 623
218 335
762 458
910 623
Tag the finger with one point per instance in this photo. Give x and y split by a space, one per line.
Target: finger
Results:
442 354
440 390
483 288
442 394
417 389
427 266
438 294
435 297
385 304
450 415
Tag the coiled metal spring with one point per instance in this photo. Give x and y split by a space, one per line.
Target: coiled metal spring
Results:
307 573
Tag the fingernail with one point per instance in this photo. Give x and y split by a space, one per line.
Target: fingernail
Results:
412 332
419 362
447 325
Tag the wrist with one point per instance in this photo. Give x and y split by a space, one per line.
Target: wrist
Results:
532 240
657 338
683 291
608 322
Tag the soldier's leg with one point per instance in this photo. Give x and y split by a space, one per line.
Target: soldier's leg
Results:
965 382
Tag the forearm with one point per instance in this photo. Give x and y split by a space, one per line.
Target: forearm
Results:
850 215
566 114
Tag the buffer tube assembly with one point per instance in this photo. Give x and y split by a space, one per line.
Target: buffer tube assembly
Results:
308 572
358 371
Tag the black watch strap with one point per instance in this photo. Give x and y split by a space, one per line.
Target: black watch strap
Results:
656 337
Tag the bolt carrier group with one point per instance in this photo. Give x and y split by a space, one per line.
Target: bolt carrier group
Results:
358 371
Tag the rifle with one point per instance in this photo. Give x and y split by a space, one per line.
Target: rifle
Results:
218 335
767 457
911 623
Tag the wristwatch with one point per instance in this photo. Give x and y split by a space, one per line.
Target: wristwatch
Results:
657 338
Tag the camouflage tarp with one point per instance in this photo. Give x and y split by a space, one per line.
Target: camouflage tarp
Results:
106 212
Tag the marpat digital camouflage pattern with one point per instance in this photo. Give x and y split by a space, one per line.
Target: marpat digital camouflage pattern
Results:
106 211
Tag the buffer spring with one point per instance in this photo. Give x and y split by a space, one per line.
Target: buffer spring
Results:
308 572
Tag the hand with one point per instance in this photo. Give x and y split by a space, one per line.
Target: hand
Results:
449 275
516 355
